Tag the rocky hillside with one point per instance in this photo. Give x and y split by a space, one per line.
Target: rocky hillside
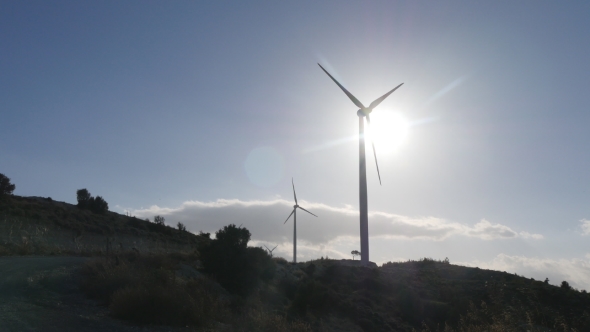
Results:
42 226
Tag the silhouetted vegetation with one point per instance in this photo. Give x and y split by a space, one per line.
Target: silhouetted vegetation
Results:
95 204
233 264
159 220
6 187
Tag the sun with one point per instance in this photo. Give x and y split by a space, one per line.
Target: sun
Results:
388 130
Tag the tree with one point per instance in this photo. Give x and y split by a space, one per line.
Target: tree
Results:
181 227
233 236
6 188
355 253
236 267
98 205
565 285
159 220
84 197
95 204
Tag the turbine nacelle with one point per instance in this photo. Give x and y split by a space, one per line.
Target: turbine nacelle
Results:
364 112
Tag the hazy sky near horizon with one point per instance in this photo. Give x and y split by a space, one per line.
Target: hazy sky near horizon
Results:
204 111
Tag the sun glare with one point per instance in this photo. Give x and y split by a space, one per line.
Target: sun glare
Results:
388 130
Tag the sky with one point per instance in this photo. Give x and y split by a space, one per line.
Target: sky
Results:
204 112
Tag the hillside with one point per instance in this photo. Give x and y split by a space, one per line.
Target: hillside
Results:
163 276
42 226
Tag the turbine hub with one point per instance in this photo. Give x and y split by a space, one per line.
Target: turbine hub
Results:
295 206
363 112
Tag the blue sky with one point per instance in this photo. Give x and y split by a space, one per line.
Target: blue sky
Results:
203 111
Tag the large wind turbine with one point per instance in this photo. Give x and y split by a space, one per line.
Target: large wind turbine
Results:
363 112
294 214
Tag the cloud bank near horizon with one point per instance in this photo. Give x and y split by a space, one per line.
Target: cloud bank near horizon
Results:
575 271
265 220
335 231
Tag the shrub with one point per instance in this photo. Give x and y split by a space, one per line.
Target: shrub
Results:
95 204
280 260
83 197
181 227
236 267
98 205
159 220
6 188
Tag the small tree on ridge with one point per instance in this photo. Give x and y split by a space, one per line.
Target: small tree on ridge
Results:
159 220
6 188
83 196
95 204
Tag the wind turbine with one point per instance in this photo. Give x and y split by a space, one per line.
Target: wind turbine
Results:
270 250
294 214
363 112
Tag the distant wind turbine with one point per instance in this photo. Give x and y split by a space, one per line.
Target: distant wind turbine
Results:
270 250
363 112
294 214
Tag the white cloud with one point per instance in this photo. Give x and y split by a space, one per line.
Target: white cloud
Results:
527 235
265 220
585 226
575 271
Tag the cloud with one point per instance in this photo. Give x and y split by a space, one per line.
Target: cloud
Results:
585 226
527 235
575 271
265 220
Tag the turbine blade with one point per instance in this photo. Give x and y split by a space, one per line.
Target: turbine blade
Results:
307 211
266 247
274 247
294 196
289 216
353 98
374 151
378 101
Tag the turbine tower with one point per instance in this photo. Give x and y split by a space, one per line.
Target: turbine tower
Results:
363 112
294 214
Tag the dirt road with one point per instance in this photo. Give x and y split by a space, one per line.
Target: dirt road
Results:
41 294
